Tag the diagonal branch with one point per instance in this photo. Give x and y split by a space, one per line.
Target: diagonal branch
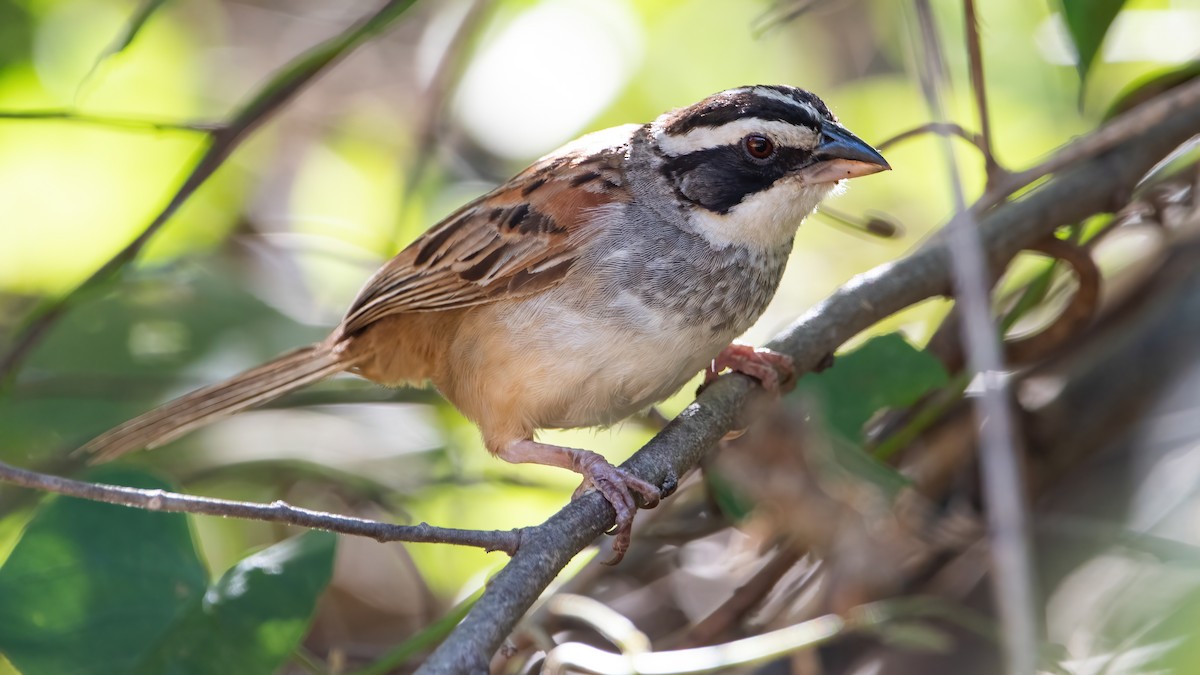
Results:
1071 196
222 141
275 512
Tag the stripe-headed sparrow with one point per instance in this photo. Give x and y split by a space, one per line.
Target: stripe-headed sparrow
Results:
593 284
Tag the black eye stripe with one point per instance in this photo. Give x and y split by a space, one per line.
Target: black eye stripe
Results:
720 178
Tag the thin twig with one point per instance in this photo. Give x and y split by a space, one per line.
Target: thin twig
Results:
939 128
546 548
979 88
1004 492
106 121
281 88
766 22
507 541
129 32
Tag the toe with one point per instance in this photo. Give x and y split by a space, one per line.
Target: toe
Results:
650 494
620 545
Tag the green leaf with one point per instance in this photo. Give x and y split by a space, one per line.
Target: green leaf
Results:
90 585
1088 22
253 617
98 588
885 372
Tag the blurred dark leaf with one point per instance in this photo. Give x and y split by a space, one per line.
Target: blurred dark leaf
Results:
98 588
252 618
1146 88
1088 22
90 586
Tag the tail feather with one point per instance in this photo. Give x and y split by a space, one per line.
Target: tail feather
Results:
203 406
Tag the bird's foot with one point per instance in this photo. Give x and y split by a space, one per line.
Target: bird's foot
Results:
616 485
774 371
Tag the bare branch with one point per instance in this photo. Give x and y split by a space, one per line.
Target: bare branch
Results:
275 512
105 121
939 128
1070 197
780 14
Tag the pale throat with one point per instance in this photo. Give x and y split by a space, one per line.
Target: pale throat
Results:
764 220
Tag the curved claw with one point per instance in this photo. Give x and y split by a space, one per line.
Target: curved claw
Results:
774 371
618 487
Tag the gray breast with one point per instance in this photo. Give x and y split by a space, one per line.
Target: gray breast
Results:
680 275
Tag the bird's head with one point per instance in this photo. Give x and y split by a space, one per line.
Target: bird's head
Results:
749 164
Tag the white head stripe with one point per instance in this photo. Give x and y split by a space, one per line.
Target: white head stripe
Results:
767 92
702 138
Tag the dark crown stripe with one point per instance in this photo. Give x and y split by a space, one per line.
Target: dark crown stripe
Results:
729 107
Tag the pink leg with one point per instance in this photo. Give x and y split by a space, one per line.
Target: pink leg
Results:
773 370
617 486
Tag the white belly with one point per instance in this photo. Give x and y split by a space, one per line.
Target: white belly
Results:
596 372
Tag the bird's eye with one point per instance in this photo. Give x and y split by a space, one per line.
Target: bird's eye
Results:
759 147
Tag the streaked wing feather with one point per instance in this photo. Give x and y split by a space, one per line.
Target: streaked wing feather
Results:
515 241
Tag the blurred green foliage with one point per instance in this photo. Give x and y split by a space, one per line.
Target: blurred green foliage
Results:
97 588
884 373
266 255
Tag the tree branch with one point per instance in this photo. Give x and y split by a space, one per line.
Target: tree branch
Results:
275 512
1152 130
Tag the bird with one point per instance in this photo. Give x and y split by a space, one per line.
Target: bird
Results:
590 286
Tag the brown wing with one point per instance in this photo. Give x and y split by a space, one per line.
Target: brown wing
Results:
517 240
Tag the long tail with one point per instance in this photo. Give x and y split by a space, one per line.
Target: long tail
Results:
203 406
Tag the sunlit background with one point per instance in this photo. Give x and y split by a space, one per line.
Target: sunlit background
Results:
268 254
